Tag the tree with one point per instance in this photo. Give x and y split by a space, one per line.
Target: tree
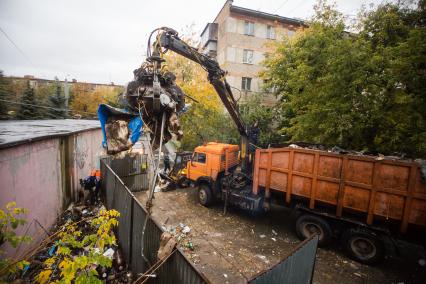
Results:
28 108
362 91
4 96
206 119
85 101
57 103
267 118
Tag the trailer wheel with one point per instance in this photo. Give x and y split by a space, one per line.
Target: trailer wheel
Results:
205 195
307 225
363 246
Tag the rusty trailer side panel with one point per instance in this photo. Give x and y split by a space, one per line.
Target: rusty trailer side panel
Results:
385 188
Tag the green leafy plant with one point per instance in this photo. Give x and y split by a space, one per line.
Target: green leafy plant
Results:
9 221
81 268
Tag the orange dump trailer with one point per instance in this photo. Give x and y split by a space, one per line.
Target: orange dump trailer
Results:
375 189
359 199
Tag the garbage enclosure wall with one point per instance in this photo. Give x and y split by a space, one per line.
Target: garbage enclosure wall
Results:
385 188
43 176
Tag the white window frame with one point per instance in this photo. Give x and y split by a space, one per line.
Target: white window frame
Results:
248 56
270 32
249 28
246 83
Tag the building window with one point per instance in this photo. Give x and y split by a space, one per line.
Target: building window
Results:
270 32
249 28
248 56
246 84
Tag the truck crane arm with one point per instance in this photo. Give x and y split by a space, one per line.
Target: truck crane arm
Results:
168 39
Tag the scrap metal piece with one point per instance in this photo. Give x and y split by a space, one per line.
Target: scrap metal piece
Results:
152 93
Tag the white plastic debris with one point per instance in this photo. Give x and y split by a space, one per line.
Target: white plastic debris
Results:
109 253
225 275
186 230
274 239
275 233
262 236
262 257
157 188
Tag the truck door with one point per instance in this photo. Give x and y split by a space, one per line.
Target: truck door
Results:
198 166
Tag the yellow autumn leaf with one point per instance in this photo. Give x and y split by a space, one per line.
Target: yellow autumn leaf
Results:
43 276
49 262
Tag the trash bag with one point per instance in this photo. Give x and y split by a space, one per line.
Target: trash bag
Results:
120 128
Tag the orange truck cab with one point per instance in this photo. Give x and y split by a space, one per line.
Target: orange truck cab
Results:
209 163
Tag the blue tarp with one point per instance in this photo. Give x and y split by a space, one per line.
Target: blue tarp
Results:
135 122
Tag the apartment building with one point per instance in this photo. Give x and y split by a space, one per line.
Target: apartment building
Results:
239 38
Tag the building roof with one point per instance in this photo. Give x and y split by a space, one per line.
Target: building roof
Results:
15 132
268 16
257 14
73 81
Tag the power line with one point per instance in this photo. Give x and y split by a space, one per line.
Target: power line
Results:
47 107
297 6
17 47
282 4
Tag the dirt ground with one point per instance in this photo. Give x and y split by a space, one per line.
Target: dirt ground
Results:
234 247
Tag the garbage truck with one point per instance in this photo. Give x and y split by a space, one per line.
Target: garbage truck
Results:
366 202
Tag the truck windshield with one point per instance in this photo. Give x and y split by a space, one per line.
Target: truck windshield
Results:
199 158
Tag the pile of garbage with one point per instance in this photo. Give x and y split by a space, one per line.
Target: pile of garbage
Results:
80 247
338 150
182 234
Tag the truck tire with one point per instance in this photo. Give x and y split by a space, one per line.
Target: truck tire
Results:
205 196
363 246
307 225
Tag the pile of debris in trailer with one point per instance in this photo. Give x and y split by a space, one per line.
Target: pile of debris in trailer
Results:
81 247
339 150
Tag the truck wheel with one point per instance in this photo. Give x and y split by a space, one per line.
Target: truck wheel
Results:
363 246
307 225
204 195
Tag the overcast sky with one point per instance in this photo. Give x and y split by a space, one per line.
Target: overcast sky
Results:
104 41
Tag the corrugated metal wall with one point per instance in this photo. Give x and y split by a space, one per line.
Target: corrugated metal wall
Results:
296 268
133 171
177 269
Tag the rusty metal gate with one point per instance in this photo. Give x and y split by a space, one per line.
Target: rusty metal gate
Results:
296 268
177 268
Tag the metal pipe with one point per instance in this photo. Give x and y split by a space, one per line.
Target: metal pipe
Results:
152 189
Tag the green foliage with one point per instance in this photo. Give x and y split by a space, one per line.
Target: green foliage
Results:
363 91
4 95
9 221
79 268
57 103
268 119
28 109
